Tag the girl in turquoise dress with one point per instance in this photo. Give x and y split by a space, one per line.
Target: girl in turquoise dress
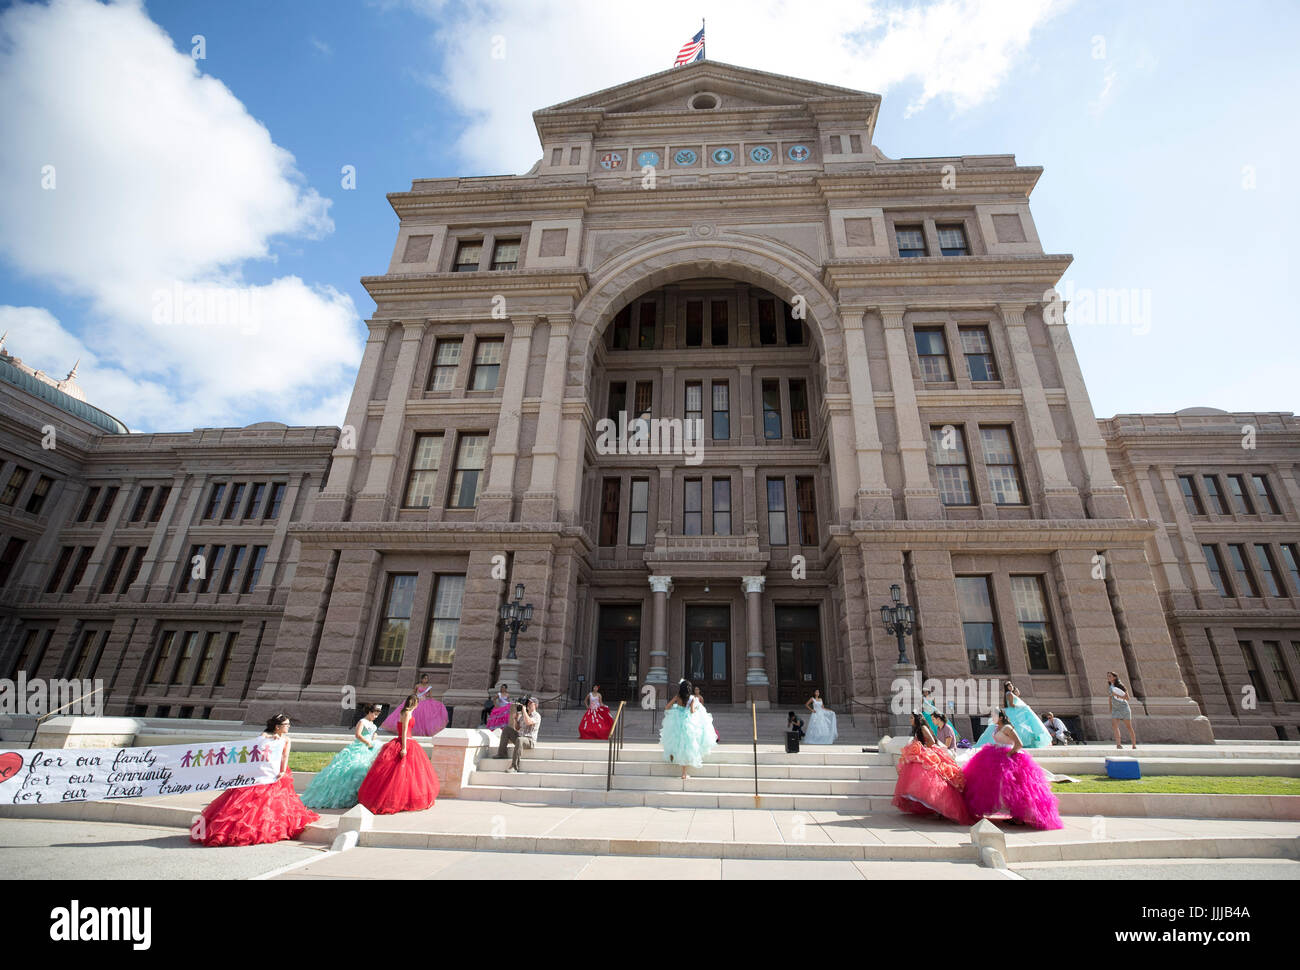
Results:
1028 726
336 785
928 710
685 735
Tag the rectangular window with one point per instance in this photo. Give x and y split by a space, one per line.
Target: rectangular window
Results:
777 532
645 397
32 653
1215 566
617 399
692 507
694 410
444 625
721 411
505 254
1252 670
1268 569
88 505
645 331
1191 500
188 647
471 459
609 512
60 566
216 558
1273 657
187 569
395 622
231 579
9 558
766 322
575 156
800 427
952 240
932 353
273 504
133 568
1240 497
17 479
1213 500
1245 580
1035 625
1004 472
159 502
638 513
425 457
718 331
106 505
911 241
975 345
141 503
214 500
446 359
694 323
236 501
468 256
772 409
78 568
951 465
256 493
164 655
211 642
487 364
621 331
227 656
793 328
978 624
36 501
805 498
1291 559
722 506
1264 495
254 569
114 571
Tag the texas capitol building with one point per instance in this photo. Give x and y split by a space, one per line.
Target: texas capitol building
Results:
853 374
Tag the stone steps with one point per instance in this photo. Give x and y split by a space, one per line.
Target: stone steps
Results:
710 785
664 797
667 770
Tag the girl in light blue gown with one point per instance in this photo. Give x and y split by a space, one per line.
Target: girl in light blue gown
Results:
685 735
1022 717
928 710
336 785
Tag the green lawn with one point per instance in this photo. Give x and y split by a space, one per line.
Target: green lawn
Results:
1186 785
309 760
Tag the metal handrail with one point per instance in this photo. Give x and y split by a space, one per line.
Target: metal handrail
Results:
40 720
615 745
754 712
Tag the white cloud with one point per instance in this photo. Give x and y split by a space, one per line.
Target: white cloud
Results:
162 180
958 51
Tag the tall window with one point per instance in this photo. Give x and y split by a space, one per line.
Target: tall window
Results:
256 494
88 505
106 505
114 569
609 512
722 506
160 662
1252 670
951 465
444 625
694 323
505 254
1240 497
1291 558
979 627
425 457
60 566
214 500
621 337
231 580
227 656
1191 501
911 241
777 533
645 331
468 256
9 558
254 572
133 568
236 497
1035 625
771 409
1264 495
471 459
639 512
187 569
645 397
978 350
273 504
1215 566
1004 472
952 240
1245 580
793 327
40 490
766 322
932 352
694 410
800 427
721 411
216 559
189 645
78 568
487 364
159 503
617 399
395 623
29 658
17 479
211 643
718 331
1212 497
1273 657
446 359
692 507
141 503
805 496
1268 569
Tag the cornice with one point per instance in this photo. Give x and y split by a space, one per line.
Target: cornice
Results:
1045 270
410 286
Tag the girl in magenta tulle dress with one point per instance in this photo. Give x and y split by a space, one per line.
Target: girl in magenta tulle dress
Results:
402 779
500 709
596 723
269 812
930 782
430 715
1003 781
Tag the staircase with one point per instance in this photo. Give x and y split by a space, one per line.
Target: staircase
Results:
734 724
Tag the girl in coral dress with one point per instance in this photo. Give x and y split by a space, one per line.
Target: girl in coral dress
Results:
430 715
930 782
500 709
269 812
685 735
402 779
335 786
1004 781
596 723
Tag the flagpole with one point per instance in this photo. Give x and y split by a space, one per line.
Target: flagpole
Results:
703 41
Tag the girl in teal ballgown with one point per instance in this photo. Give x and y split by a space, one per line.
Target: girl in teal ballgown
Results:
928 710
1028 726
685 735
336 785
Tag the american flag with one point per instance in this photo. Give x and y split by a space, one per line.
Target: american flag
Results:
692 50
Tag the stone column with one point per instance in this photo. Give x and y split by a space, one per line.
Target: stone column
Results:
874 498
540 499
372 503
332 503
920 497
756 670
495 504
660 587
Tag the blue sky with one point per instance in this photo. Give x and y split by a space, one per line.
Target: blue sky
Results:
1161 129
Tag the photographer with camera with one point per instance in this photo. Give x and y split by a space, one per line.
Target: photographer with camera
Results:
522 728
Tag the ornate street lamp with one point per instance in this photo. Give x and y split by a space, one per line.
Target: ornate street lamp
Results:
515 616
899 619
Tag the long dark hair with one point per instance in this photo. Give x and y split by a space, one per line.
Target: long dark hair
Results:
411 703
1009 688
274 721
1118 683
684 692
918 727
1002 717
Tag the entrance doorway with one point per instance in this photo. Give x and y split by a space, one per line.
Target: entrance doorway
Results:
618 653
798 654
708 649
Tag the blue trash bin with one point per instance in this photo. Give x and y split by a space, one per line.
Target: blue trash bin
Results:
1126 769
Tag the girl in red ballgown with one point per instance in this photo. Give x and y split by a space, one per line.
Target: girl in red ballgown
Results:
930 782
402 779
596 723
259 813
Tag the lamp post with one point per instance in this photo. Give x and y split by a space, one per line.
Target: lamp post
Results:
899 619
515 616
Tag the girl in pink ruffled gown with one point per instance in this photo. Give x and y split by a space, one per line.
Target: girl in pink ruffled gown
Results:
430 715
930 782
1003 781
